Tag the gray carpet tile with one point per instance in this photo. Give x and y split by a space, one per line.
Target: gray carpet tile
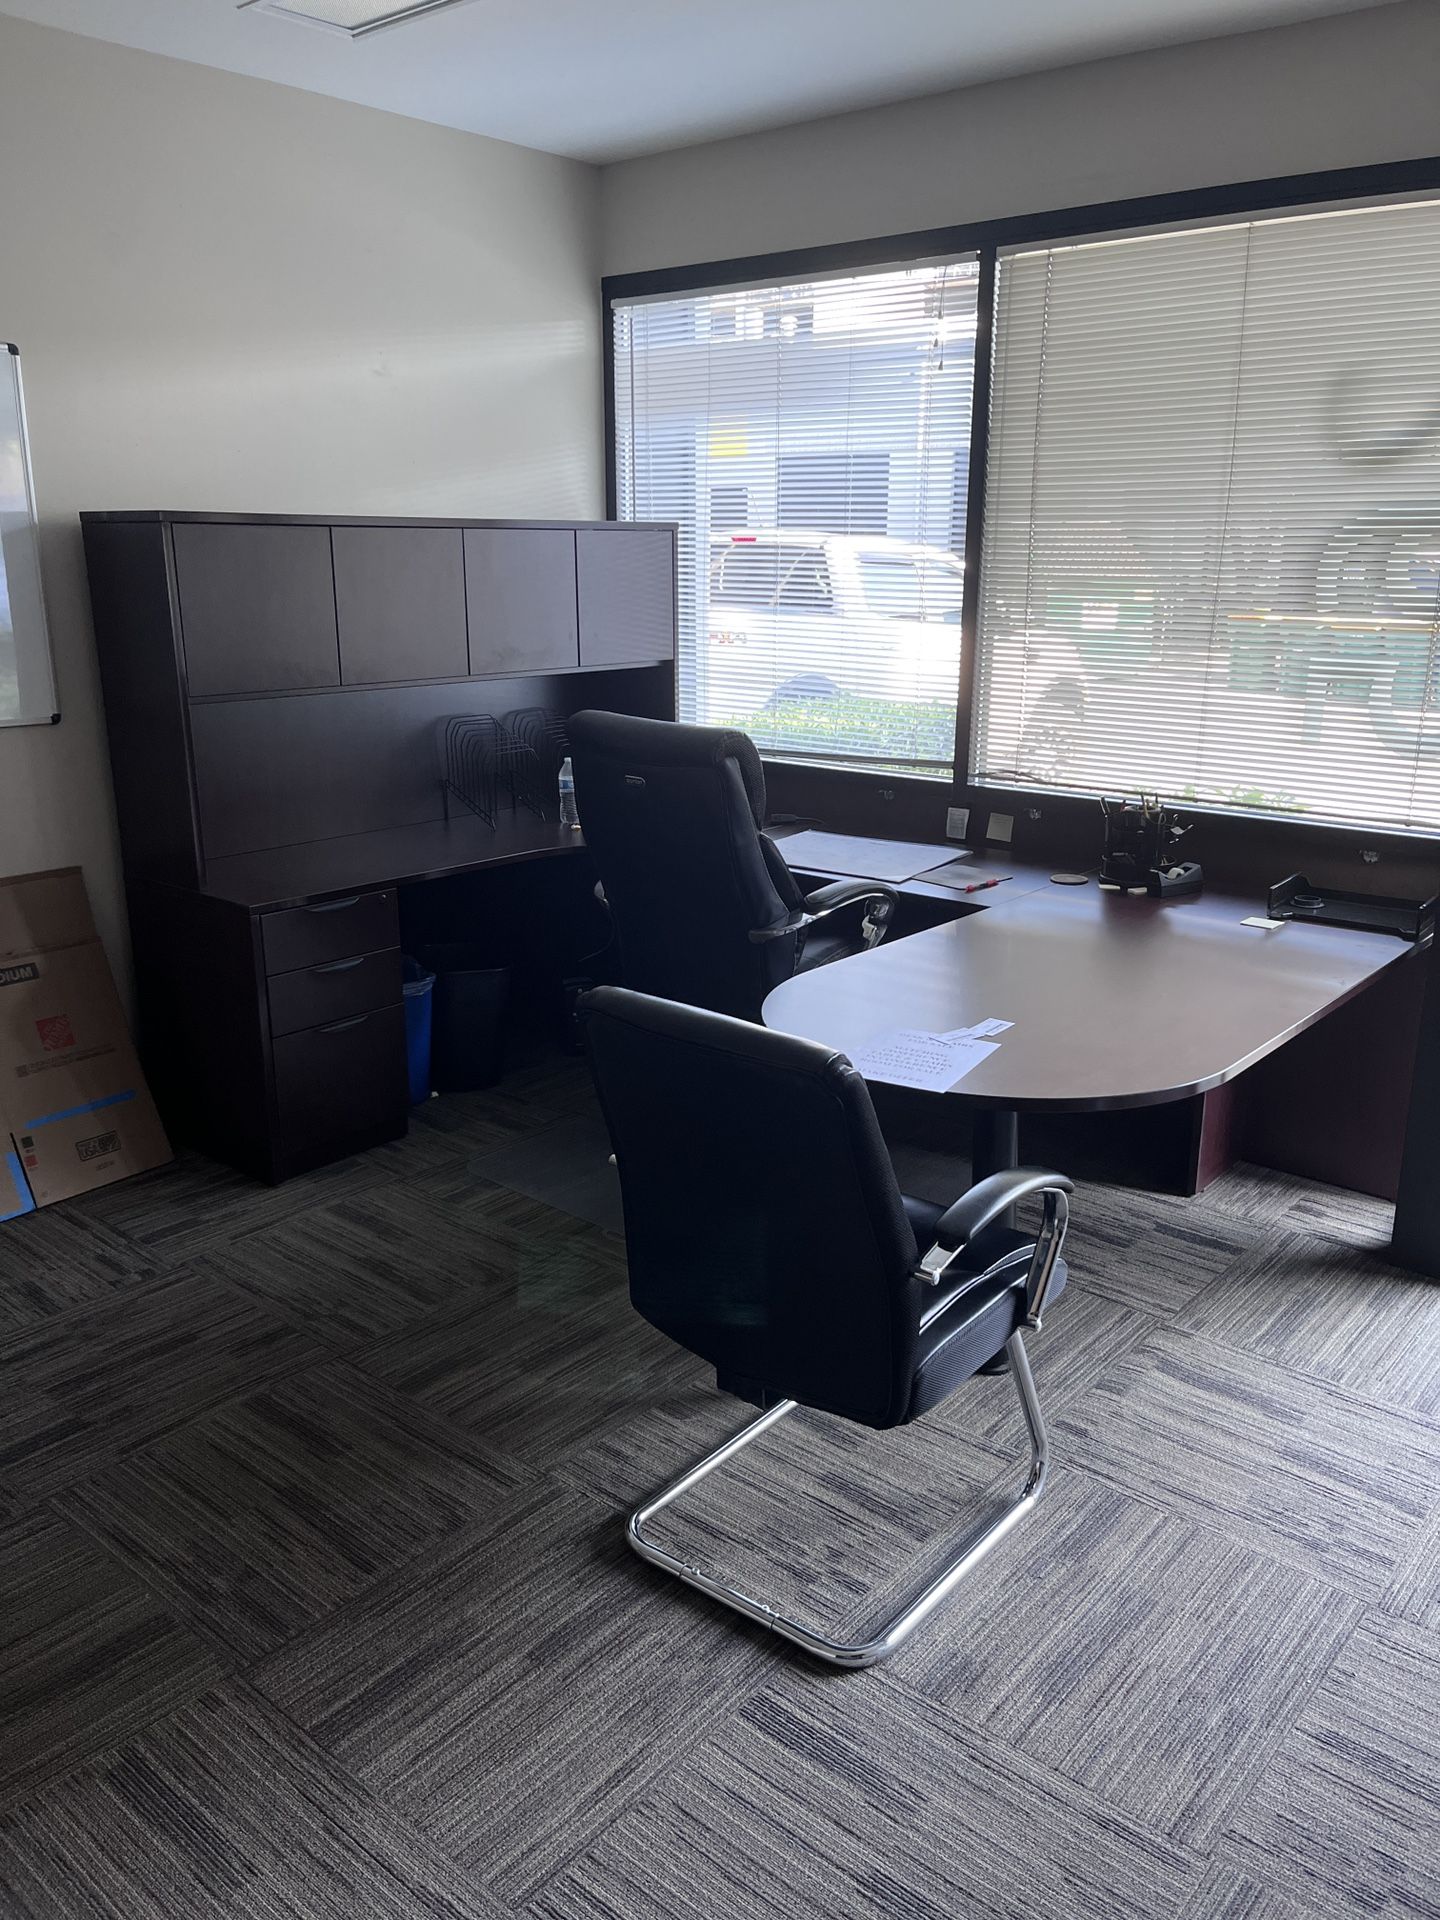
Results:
567 1166
1147 1658
1228 1894
223 1812
87 1654
538 1371
259 1519
821 1799
78 1391
1323 1308
363 1444
1084 1337
1282 1462
1352 1802
196 1204
1414 1593
1258 1197
1148 1251
371 1264
521 1691
55 1260
1357 1219
807 1518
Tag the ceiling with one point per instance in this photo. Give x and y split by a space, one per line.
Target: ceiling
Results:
604 80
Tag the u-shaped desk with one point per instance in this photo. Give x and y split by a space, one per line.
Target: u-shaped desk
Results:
1116 1001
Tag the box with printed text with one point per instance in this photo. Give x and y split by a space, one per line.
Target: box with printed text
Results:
75 1112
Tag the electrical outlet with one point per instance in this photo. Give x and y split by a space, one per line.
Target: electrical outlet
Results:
1001 826
957 822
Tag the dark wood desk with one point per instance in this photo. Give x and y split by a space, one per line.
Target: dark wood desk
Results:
1116 1001
321 870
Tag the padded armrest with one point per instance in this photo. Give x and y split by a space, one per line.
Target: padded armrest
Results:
962 1223
988 1199
840 893
882 901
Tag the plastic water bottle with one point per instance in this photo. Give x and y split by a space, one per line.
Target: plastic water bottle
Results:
568 816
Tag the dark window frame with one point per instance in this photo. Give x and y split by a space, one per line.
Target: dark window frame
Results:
985 238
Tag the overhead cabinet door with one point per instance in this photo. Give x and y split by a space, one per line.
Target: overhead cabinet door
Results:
627 596
520 589
257 607
400 597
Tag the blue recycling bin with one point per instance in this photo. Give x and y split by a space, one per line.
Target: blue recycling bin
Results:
419 992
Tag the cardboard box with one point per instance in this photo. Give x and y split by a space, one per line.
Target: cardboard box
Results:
75 1112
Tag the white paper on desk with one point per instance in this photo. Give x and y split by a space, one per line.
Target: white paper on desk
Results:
895 860
932 1062
982 1030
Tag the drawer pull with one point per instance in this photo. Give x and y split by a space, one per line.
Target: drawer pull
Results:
333 906
339 1026
340 966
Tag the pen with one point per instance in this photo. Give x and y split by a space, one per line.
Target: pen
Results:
979 886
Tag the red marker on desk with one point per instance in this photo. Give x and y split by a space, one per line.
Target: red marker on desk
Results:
979 886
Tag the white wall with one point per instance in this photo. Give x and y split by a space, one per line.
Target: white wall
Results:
230 294
1338 92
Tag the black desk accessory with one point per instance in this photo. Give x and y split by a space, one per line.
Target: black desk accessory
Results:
541 742
1297 899
1141 837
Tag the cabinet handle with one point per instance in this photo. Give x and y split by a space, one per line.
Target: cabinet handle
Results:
339 1026
333 906
340 966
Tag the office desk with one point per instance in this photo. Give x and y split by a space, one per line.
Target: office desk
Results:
271 1010
1117 1001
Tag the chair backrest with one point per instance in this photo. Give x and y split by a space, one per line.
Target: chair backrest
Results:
764 1227
672 814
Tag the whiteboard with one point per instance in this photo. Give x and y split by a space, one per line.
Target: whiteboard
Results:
27 678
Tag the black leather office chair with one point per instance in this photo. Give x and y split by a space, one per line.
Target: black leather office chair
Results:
767 1234
704 907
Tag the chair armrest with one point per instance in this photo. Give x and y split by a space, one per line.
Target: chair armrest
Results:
983 1205
881 902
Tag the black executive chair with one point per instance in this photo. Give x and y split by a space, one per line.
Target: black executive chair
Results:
704 907
767 1234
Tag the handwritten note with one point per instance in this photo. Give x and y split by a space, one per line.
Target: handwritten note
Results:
931 1062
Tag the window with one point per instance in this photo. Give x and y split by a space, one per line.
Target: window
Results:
1211 563
837 411
848 493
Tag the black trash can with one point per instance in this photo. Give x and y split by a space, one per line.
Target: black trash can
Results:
471 1002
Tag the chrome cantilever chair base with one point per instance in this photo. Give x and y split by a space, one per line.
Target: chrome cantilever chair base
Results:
897 1630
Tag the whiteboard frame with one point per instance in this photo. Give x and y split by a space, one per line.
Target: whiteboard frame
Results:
45 665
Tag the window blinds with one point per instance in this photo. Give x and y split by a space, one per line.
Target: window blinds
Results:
1211 560
812 440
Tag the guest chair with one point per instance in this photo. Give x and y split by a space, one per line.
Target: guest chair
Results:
767 1234
704 908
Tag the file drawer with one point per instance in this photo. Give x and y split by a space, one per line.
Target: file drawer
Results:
307 936
341 1080
334 990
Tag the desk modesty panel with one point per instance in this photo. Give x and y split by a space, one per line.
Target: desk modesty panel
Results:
1116 1001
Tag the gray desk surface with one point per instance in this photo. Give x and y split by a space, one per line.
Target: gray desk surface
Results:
1117 1001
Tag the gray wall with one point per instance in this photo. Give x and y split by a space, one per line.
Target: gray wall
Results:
1337 92
235 295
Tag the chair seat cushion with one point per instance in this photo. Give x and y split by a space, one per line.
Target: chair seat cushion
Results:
827 942
980 1303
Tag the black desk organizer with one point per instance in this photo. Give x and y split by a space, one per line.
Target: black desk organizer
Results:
519 757
1297 899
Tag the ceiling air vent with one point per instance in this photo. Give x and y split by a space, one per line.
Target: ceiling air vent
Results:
353 17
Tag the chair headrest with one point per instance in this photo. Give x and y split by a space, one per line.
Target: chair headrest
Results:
721 1032
670 743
